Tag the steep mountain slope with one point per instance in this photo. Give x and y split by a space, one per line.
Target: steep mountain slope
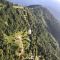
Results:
15 22
52 23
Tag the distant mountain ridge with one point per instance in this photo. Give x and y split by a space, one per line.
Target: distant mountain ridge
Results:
53 24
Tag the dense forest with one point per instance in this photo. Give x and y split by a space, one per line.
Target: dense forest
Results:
24 36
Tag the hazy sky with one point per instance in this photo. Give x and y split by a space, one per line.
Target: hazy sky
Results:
28 2
52 5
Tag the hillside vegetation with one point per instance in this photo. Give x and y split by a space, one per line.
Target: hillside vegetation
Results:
16 43
53 25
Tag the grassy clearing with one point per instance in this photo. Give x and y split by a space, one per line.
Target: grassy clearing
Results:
19 7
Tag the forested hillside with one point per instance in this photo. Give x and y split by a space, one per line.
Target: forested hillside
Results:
24 36
51 21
